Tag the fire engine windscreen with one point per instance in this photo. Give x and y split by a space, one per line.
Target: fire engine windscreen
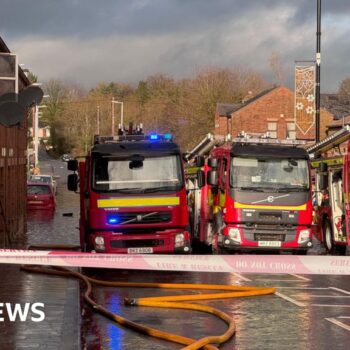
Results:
137 173
269 174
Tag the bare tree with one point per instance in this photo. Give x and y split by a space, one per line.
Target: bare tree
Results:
344 87
276 66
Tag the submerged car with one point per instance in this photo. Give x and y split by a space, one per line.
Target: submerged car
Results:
46 179
40 195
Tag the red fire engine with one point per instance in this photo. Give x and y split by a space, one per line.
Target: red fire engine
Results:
331 164
132 195
257 195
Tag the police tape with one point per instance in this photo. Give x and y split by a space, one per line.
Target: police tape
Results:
291 264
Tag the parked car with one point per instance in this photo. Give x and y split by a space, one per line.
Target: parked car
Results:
66 157
46 179
40 195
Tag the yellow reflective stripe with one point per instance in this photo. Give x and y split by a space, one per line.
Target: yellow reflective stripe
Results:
276 207
137 202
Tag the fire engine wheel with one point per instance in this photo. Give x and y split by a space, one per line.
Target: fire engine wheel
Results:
328 236
329 240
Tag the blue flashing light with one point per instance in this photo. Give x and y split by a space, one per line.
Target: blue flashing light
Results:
167 136
154 137
112 220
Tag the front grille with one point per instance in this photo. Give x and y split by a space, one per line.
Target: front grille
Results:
143 218
268 237
139 243
269 233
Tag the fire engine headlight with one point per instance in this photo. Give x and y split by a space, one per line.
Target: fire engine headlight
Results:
235 234
99 243
179 240
304 236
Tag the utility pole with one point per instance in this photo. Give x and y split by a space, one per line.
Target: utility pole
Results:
98 120
113 121
318 71
36 135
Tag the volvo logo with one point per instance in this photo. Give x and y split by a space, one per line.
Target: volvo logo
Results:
139 218
270 199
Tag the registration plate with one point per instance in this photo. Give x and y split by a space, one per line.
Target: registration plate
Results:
269 244
35 202
145 250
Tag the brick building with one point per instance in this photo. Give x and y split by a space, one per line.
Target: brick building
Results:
270 111
13 168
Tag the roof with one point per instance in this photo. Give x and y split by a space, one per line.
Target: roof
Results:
143 147
339 123
227 109
338 105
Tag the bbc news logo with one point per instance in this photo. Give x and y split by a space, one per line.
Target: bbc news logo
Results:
22 312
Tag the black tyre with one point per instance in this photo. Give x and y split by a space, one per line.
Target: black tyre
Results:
328 236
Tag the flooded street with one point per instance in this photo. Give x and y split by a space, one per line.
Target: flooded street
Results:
61 226
307 312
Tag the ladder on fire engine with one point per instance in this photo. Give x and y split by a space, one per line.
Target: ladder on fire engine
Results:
330 142
206 145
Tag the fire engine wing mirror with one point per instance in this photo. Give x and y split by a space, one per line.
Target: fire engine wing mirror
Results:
136 161
200 178
72 182
199 161
72 165
323 184
213 162
323 167
212 178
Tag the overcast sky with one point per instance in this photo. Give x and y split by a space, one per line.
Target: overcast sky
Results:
91 41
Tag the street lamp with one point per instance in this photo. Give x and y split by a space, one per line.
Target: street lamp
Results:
98 120
37 115
121 114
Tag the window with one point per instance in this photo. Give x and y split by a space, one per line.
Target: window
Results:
272 130
159 172
291 134
276 174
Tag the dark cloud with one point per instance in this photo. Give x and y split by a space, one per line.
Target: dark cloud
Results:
92 41
91 18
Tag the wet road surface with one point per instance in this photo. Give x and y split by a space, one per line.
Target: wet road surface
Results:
308 312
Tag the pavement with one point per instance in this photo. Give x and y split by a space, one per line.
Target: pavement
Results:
61 327
61 296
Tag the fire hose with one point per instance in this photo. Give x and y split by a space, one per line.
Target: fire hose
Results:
174 302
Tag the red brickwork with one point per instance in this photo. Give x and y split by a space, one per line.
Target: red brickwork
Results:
276 106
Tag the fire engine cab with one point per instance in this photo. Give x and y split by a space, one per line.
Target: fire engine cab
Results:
132 195
257 195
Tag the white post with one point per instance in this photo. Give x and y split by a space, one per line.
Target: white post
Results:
36 136
113 127
98 120
122 114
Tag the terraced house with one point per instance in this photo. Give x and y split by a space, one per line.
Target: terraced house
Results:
13 160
